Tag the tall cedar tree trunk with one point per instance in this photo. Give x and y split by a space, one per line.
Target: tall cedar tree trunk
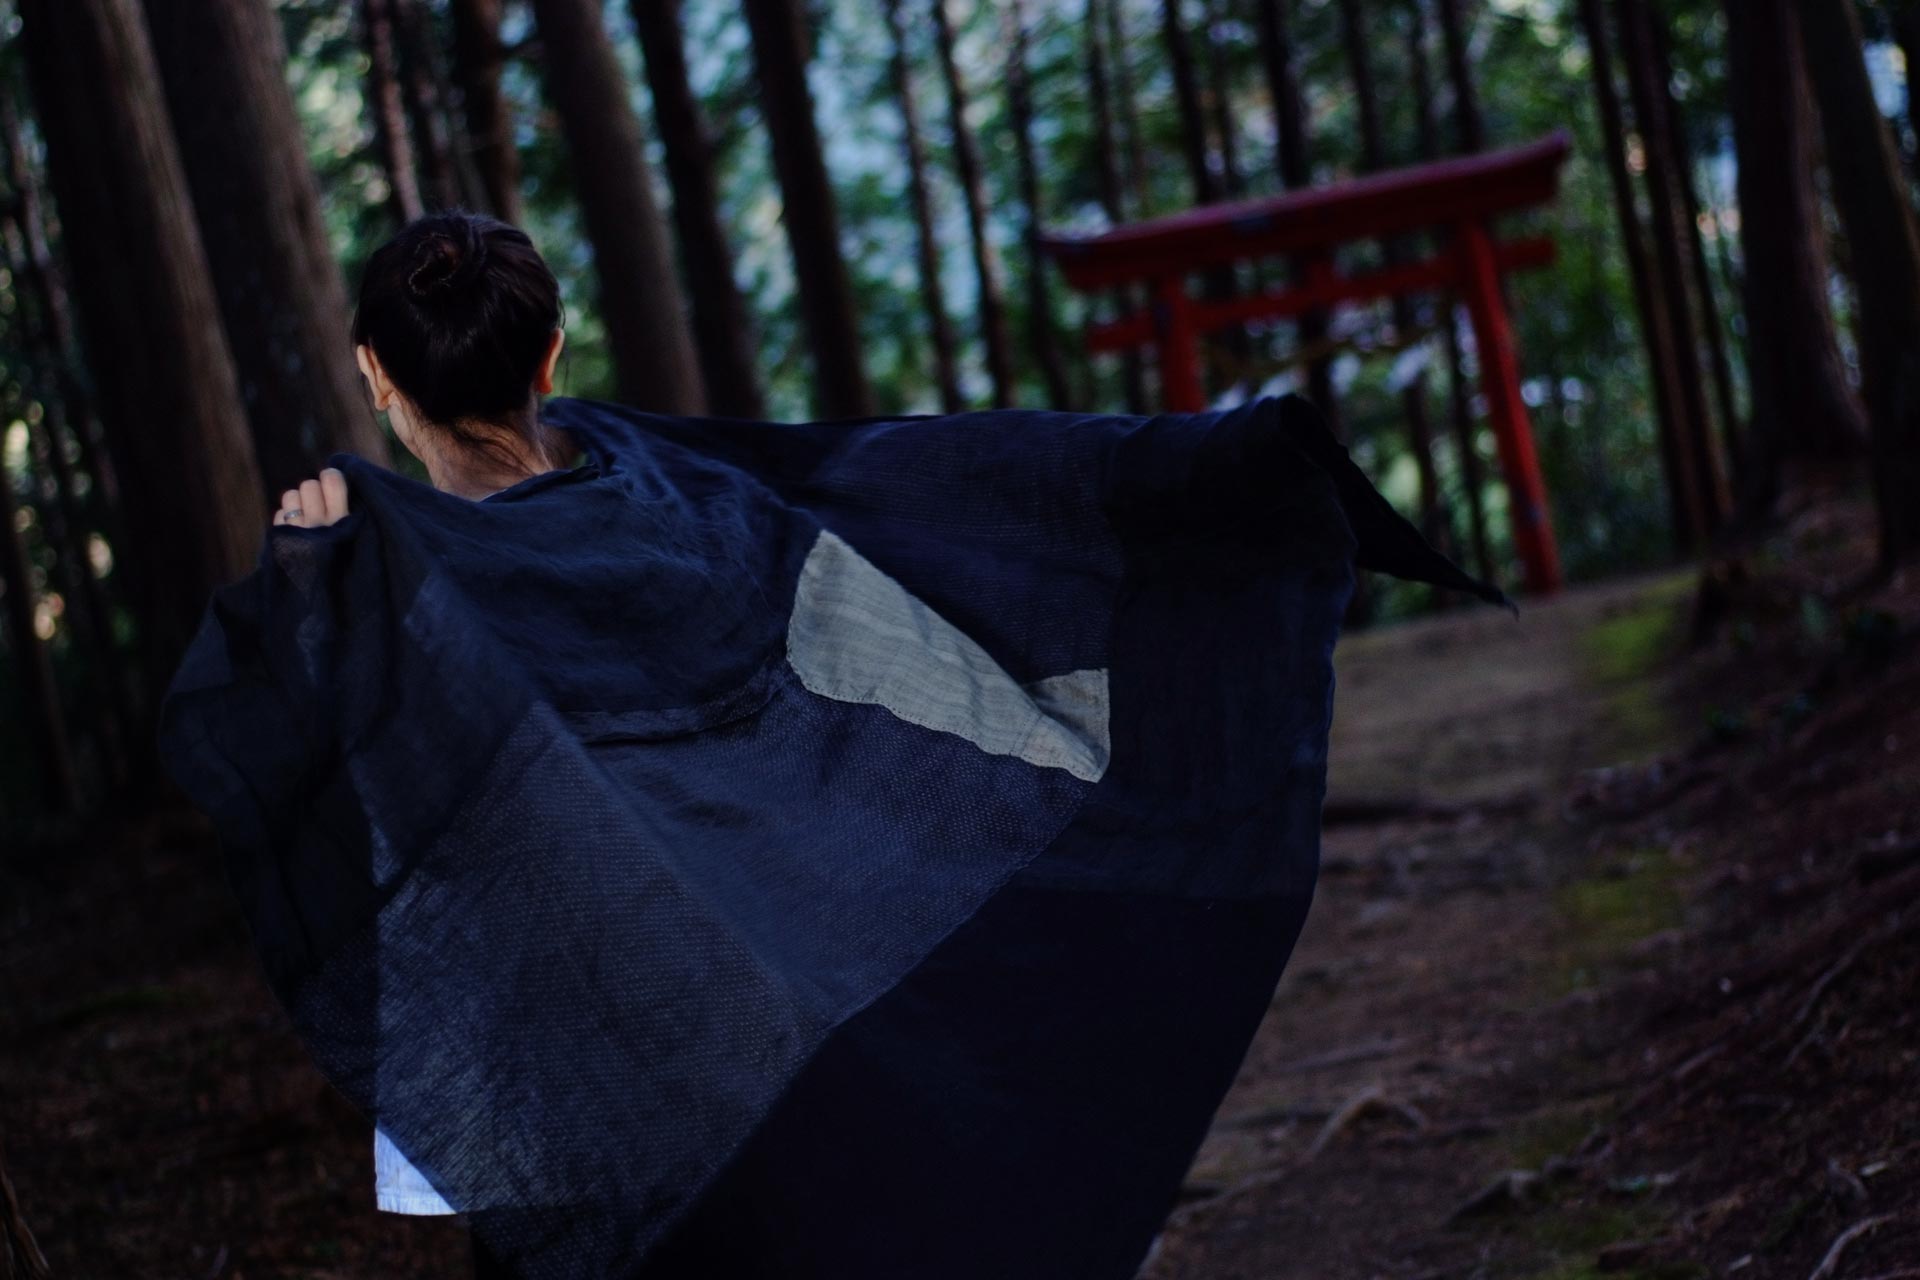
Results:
1106 169
1467 119
640 300
933 295
1373 158
1470 131
1715 328
1687 522
1905 19
1427 134
986 259
108 710
1186 96
1802 405
780 54
46 719
1290 158
444 152
1219 282
258 210
389 110
48 287
1868 190
168 392
1220 95
1041 339
720 327
478 57
1127 106
1671 237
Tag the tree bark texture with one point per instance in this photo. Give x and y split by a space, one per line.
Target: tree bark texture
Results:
933 294
1277 56
1686 521
811 214
223 66
986 258
388 108
1041 338
1870 194
640 299
721 330
478 56
1671 238
169 395
1803 406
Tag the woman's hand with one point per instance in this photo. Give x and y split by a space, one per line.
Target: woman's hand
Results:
316 502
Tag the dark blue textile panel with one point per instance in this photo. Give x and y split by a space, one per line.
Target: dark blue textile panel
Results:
846 849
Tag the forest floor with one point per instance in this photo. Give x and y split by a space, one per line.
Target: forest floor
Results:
1613 970
1614 963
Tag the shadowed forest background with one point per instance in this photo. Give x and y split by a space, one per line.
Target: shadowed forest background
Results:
1614 964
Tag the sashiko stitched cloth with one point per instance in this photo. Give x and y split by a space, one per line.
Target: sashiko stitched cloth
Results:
837 850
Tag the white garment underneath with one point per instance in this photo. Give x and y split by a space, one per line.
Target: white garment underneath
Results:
398 1187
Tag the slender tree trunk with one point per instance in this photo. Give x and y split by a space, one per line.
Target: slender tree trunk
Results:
1220 93
1688 522
1905 20
720 326
1460 405
1427 133
933 294
780 53
1128 104
46 718
1106 168
445 156
48 286
640 299
389 111
1219 282
169 394
258 210
1802 405
986 260
87 610
1670 237
1373 158
478 56
1710 318
1041 339
1290 157
1467 120
1863 165
1186 95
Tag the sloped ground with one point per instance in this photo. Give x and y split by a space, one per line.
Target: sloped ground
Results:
1635 994
1612 971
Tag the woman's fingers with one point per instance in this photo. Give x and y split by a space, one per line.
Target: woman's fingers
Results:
313 504
333 484
317 502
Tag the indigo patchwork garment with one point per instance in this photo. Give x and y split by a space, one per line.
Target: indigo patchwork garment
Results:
851 849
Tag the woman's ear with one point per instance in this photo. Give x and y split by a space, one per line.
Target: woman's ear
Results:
378 383
543 381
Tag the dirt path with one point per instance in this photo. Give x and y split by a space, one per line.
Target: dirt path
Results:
1409 1055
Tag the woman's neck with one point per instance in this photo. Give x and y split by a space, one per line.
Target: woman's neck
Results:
468 472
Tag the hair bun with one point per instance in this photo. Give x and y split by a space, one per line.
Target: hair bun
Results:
445 267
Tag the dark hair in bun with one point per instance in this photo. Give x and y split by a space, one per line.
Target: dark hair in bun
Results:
460 308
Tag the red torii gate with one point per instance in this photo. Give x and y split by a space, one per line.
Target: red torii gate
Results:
1459 197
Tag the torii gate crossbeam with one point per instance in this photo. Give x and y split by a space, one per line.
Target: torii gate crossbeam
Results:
1459 198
